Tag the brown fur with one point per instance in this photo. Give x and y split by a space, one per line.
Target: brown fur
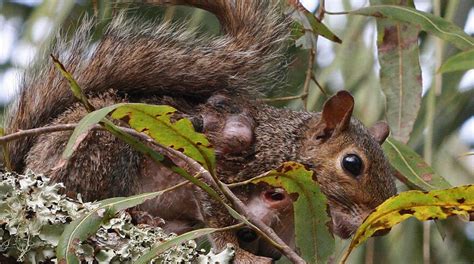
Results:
214 81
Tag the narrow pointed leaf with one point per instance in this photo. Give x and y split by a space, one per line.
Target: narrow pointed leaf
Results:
75 88
416 171
313 239
158 158
436 25
156 121
400 73
83 128
159 249
310 27
82 228
462 61
437 204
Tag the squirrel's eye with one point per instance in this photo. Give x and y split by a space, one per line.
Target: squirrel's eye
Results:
353 164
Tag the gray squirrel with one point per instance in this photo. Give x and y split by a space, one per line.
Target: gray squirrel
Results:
216 81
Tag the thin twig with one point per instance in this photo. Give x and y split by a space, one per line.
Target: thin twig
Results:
286 98
37 131
321 88
309 73
311 60
242 183
239 206
429 125
321 10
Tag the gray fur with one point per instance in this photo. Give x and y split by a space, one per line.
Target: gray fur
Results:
137 58
163 63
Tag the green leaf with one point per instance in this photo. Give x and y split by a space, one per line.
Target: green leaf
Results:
82 228
462 61
438 204
159 249
400 73
310 27
156 121
158 158
313 239
75 88
416 171
83 128
426 21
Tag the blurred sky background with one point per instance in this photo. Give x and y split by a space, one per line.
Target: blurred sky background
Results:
16 53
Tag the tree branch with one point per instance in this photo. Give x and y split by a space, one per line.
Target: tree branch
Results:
238 205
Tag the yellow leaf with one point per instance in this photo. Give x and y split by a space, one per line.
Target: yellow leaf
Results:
438 204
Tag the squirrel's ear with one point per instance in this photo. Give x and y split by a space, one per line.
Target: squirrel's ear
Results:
337 112
380 131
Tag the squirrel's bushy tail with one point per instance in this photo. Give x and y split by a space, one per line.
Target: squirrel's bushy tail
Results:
139 59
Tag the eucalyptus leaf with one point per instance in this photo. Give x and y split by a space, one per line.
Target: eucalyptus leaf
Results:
415 170
86 226
75 88
157 122
436 25
83 128
310 27
400 73
157 250
437 204
313 238
462 61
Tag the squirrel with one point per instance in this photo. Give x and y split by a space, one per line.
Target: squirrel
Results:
216 81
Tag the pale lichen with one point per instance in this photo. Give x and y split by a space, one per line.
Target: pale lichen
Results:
33 214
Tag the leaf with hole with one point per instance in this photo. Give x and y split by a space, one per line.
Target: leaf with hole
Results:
400 73
161 124
437 204
436 25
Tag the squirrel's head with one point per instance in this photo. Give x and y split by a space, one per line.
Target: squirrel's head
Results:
349 163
